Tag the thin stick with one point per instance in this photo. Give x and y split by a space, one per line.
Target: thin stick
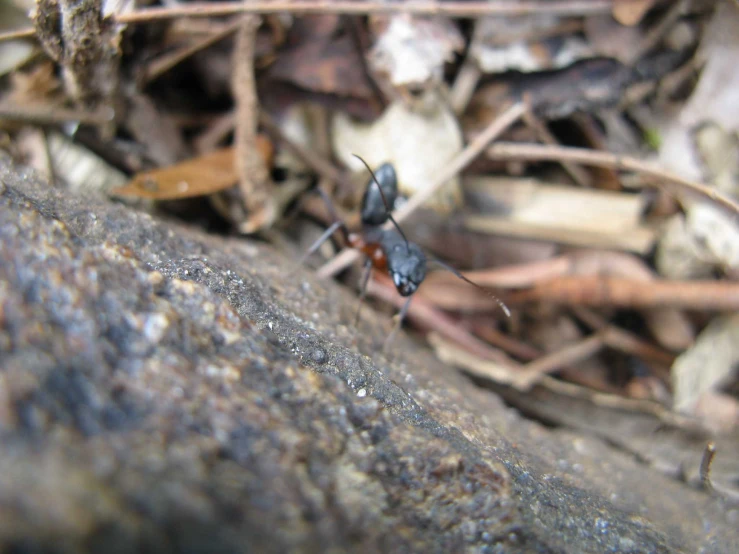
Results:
495 129
580 176
50 114
623 340
163 64
508 150
568 355
28 32
705 470
254 181
595 290
452 9
658 32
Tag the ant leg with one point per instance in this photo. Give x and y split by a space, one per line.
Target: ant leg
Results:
332 211
319 241
366 272
336 225
398 323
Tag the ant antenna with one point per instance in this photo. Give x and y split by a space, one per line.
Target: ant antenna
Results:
497 300
384 201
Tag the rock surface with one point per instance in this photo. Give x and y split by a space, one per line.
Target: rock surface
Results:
162 390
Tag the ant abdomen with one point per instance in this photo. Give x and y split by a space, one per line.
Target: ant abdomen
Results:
374 211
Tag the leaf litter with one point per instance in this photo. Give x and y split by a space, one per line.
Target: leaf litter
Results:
582 165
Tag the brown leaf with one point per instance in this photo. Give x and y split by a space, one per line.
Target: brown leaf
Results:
321 58
631 12
206 174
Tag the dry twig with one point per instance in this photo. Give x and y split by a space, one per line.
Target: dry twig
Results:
705 470
620 339
451 9
580 176
568 355
633 293
254 179
49 114
508 150
166 62
308 7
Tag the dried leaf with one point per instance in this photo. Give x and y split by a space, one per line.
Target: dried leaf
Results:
155 130
583 217
206 174
702 142
39 84
412 51
320 60
609 39
631 12
419 145
718 412
533 43
710 364
82 170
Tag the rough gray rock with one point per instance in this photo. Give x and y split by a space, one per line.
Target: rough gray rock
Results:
162 390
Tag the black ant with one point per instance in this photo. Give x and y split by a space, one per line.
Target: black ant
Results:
386 249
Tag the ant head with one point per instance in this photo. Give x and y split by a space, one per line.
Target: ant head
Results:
375 209
406 263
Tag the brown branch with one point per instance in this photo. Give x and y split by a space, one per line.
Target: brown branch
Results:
580 176
586 262
51 114
509 150
633 293
658 32
505 342
494 129
166 62
705 470
29 32
623 340
514 276
568 355
451 9
253 176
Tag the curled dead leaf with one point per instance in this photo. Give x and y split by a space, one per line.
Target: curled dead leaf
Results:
199 176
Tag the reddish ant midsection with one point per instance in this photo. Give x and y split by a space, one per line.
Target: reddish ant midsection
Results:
373 250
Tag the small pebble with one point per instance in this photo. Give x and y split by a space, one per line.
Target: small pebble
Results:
361 393
319 355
